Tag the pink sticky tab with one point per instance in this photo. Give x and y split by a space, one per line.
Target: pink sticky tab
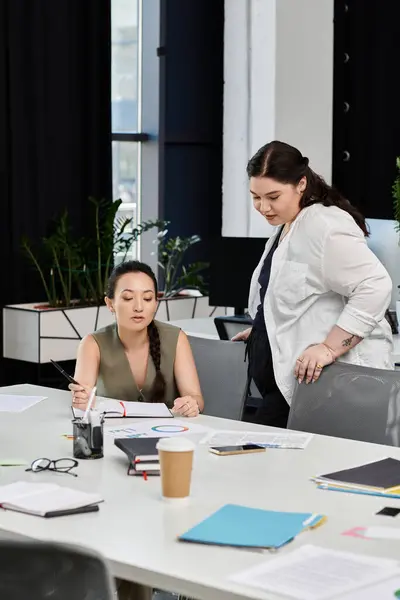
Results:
357 532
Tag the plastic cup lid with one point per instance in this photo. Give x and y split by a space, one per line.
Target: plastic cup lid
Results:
177 444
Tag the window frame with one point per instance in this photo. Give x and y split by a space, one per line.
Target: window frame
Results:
147 136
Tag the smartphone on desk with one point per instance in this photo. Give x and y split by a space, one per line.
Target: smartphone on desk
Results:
229 450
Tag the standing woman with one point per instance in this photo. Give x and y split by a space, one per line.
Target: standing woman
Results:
318 294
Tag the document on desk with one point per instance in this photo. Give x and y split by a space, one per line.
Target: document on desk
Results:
16 404
287 440
157 428
315 573
386 590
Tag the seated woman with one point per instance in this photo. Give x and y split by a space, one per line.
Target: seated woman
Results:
137 358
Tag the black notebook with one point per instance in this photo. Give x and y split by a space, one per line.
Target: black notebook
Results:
138 449
142 454
382 474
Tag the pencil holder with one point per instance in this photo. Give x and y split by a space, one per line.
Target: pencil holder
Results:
88 437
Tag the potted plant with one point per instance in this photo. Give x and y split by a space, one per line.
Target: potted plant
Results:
181 282
74 272
396 206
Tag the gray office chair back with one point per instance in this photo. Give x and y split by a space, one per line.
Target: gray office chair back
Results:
223 374
40 571
351 402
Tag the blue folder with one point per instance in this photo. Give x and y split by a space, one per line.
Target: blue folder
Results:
234 525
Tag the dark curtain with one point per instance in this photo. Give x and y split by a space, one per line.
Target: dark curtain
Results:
366 124
191 119
55 124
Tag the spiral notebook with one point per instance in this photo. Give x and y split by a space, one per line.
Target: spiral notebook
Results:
117 409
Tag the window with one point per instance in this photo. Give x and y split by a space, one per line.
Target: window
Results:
125 106
134 41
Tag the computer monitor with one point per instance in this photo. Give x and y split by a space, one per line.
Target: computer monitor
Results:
233 260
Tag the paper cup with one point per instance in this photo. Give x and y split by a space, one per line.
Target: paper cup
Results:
176 461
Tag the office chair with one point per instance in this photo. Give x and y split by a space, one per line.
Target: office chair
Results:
349 401
228 326
40 571
223 376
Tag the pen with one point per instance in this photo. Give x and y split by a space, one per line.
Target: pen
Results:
66 375
89 406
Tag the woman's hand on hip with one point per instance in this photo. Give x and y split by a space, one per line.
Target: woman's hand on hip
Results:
242 336
186 406
311 361
80 395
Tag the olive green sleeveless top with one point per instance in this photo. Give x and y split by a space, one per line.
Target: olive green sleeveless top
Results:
115 378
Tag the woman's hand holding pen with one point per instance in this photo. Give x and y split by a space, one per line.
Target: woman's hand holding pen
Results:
80 395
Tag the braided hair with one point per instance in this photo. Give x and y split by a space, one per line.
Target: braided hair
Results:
157 393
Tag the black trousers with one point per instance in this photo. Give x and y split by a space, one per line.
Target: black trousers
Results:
274 410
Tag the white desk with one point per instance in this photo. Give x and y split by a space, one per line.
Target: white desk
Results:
136 531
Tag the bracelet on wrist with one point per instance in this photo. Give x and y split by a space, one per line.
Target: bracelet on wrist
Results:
330 350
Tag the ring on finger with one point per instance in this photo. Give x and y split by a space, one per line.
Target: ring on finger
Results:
319 367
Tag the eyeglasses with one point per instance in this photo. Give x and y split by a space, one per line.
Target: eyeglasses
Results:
62 465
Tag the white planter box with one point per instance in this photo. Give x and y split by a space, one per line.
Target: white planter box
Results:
174 309
37 336
40 335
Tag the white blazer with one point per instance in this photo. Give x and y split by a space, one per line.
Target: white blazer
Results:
323 274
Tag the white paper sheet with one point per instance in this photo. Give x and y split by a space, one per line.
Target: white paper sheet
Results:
314 573
382 533
386 590
269 440
17 404
157 428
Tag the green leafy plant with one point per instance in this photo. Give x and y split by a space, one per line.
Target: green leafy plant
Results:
396 195
177 275
76 270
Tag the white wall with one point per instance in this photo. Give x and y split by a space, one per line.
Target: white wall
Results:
304 79
278 85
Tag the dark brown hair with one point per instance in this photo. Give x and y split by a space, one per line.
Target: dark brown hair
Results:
285 164
157 393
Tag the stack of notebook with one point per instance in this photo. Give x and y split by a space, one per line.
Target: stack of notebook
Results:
380 478
244 527
142 454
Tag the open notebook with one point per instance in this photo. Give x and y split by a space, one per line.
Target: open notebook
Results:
117 409
46 499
